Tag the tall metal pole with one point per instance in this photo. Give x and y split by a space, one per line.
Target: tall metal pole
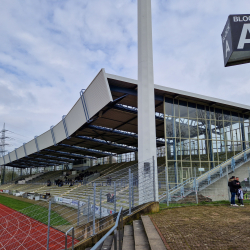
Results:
100 203
78 213
88 208
227 183
94 209
114 197
249 176
167 187
130 200
48 225
146 98
195 183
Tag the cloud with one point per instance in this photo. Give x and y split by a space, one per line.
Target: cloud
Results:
50 50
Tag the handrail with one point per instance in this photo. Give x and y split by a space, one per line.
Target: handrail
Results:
221 165
204 176
73 236
119 221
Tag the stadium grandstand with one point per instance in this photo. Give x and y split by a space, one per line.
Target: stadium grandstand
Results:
124 145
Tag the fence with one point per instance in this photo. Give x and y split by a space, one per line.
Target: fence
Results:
95 208
173 192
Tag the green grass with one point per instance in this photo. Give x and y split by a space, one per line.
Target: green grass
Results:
202 203
36 212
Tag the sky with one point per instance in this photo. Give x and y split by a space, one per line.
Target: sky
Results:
51 49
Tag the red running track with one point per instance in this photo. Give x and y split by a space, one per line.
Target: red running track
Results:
18 231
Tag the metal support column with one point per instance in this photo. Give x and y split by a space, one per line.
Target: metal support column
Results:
167 187
94 209
48 225
133 198
78 213
114 197
130 200
88 208
195 181
249 176
100 203
229 198
243 134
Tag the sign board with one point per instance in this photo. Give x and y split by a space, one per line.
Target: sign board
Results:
201 169
236 40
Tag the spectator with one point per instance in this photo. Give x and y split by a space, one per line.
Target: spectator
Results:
233 186
48 183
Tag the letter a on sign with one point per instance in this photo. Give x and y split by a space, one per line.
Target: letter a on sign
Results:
227 48
243 40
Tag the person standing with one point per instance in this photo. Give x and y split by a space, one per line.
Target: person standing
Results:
238 187
240 197
232 185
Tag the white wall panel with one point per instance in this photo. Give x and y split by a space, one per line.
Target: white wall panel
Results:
20 152
59 132
13 156
45 140
6 159
98 94
75 118
31 147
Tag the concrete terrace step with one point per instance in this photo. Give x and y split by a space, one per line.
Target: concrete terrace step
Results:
140 237
154 238
128 238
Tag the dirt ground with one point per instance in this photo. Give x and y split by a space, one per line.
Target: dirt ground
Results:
205 227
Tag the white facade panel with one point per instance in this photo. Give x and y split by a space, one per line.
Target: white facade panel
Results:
98 94
13 156
59 132
45 140
31 147
20 152
75 118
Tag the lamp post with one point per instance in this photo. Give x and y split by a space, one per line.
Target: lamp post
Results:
146 100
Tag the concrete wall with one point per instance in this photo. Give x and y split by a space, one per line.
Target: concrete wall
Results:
219 190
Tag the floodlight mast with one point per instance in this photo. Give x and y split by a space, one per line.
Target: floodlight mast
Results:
146 100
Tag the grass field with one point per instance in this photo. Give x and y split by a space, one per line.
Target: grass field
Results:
36 212
202 203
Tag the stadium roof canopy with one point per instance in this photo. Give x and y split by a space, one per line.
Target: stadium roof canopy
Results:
103 122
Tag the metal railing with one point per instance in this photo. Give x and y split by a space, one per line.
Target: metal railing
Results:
194 184
118 225
66 239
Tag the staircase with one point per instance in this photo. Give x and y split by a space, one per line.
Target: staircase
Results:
200 183
142 235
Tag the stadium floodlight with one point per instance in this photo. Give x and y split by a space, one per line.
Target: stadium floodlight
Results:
236 40
146 98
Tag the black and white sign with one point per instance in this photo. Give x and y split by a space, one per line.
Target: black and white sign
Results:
236 40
